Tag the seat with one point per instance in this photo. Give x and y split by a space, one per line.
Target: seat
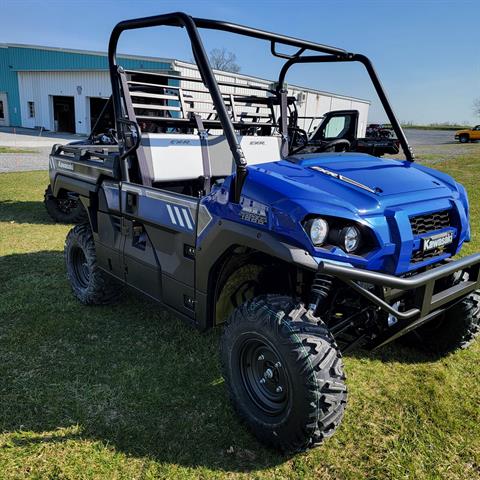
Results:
178 157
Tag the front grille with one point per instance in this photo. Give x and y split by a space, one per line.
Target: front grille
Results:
420 256
430 222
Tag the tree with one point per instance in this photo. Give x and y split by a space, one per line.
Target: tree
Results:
476 107
220 59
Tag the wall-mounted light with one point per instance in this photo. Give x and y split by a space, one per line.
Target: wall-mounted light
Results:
79 89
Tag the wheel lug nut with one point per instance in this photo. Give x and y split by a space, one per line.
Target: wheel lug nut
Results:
260 358
262 380
278 365
268 373
279 389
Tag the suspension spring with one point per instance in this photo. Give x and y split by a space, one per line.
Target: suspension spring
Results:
321 288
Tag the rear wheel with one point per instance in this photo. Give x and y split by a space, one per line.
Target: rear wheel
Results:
90 284
283 372
464 138
64 209
456 329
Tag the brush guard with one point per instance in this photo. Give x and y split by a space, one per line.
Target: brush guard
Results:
426 304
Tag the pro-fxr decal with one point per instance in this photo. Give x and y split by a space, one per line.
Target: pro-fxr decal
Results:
253 211
345 179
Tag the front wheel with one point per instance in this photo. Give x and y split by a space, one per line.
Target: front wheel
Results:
283 372
456 329
464 138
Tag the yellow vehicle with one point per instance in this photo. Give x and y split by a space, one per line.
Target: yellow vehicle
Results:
468 134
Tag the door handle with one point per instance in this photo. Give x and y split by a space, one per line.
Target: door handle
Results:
131 202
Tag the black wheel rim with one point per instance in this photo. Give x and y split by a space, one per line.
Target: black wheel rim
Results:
80 267
263 376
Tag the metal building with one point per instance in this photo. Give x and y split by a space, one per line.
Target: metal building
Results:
64 90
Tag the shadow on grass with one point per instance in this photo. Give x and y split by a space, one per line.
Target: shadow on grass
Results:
24 212
129 375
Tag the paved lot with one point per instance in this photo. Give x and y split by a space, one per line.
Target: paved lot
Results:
28 138
429 137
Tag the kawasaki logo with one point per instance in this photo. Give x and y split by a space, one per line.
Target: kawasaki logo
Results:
65 165
437 241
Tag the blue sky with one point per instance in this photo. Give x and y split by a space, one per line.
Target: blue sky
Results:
426 51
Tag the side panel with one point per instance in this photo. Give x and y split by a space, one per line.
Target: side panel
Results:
108 232
160 231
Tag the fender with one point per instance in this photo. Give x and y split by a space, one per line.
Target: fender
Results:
227 234
82 187
221 237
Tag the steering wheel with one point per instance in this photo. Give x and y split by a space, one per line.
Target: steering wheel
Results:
338 145
298 137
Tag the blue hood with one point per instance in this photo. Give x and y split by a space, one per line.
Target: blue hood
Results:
381 194
387 182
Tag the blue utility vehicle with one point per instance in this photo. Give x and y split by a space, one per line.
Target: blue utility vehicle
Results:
212 199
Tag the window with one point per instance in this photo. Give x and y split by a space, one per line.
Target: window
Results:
2 114
31 109
334 127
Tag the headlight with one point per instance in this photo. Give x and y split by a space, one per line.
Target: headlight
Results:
318 231
350 238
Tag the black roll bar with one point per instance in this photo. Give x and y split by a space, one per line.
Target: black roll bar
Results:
180 19
356 57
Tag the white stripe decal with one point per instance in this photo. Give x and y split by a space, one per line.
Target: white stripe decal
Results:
172 216
179 216
187 218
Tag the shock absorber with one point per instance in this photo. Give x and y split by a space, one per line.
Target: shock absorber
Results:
321 288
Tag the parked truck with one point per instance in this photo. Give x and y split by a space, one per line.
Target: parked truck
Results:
300 246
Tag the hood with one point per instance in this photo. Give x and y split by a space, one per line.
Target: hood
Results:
381 176
356 181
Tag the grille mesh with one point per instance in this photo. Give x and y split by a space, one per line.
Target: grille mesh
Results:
420 256
431 222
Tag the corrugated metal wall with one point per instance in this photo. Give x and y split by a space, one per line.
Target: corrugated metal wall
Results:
15 59
36 74
312 103
40 87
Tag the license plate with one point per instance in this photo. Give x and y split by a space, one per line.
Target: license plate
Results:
437 241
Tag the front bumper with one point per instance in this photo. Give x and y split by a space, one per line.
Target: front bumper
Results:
428 302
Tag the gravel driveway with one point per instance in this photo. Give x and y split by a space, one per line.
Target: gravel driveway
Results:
19 162
38 144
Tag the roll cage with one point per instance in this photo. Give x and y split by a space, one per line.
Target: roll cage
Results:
128 130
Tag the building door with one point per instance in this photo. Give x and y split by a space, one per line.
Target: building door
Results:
96 108
3 110
64 114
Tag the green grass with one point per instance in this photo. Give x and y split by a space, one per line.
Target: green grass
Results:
129 391
16 150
